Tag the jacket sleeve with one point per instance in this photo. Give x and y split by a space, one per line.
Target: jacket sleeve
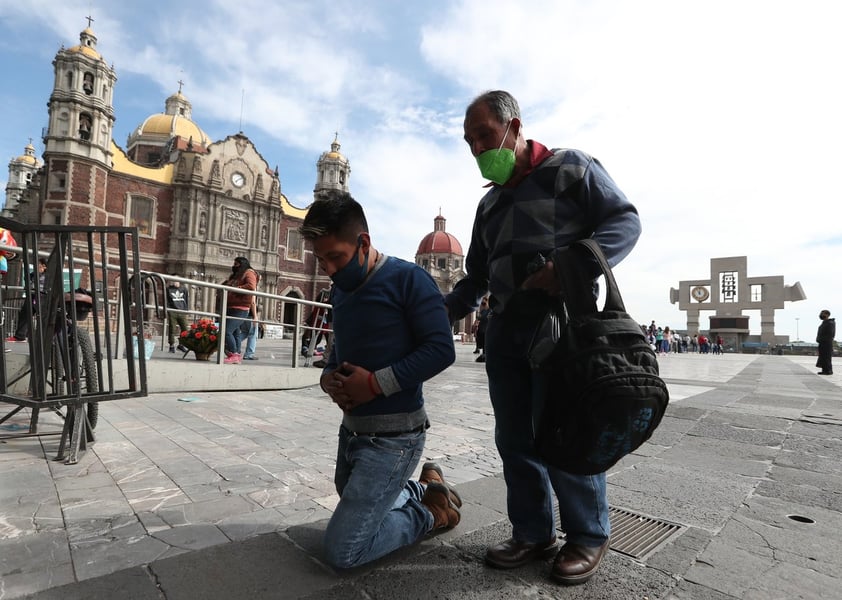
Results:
468 291
612 218
433 351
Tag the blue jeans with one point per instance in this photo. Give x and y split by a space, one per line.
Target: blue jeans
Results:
236 329
251 340
516 395
379 508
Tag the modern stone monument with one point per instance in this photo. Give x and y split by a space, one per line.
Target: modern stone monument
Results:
728 292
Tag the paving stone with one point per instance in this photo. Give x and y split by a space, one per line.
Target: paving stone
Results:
95 557
192 537
136 583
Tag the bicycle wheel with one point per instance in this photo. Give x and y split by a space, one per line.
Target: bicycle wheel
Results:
88 367
81 347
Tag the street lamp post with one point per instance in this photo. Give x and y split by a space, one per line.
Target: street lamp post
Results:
797 337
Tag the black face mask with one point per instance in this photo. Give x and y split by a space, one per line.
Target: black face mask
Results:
235 268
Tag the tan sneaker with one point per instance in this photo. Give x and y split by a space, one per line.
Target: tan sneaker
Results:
437 500
431 473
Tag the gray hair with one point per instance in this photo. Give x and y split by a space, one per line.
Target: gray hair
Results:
502 104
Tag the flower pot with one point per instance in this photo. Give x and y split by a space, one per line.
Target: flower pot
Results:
202 356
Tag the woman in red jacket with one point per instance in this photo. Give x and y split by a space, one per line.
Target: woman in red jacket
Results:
237 322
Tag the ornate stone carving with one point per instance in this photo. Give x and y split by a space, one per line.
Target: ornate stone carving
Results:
234 225
197 170
215 175
241 143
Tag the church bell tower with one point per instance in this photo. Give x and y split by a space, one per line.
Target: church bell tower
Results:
332 171
77 141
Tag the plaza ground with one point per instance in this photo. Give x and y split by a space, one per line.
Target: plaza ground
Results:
226 494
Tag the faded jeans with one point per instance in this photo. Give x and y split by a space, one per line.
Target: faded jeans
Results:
236 323
379 508
251 340
516 395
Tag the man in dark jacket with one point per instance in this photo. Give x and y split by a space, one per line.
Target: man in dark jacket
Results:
825 337
177 299
28 307
540 200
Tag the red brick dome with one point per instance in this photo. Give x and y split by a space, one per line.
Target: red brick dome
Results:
439 241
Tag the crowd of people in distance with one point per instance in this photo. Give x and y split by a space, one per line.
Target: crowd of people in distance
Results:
666 341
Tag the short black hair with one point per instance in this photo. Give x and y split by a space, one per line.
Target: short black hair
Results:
336 213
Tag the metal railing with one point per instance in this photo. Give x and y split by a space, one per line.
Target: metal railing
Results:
155 288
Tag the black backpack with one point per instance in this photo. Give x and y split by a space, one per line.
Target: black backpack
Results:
605 397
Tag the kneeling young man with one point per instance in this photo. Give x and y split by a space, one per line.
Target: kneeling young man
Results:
391 333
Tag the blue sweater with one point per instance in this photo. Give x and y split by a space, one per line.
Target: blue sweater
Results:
568 197
395 324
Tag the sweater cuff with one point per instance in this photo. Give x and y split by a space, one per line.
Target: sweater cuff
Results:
387 381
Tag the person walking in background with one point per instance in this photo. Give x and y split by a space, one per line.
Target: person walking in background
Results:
30 305
391 334
237 322
825 336
539 201
319 320
177 299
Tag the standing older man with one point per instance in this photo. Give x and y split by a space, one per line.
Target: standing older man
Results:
539 200
825 336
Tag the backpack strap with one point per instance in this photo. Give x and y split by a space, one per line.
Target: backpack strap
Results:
571 265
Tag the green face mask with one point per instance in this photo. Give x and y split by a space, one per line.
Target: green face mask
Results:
497 165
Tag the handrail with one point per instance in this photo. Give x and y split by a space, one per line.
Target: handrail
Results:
297 326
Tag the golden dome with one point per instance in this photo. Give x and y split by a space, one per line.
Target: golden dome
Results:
334 153
88 45
28 157
168 126
174 125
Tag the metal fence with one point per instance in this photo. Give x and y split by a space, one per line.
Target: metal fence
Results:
85 317
63 366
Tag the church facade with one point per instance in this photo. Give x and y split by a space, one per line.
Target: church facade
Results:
197 203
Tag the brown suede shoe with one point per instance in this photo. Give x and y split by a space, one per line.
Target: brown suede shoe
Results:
576 564
431 472
437 500
511 554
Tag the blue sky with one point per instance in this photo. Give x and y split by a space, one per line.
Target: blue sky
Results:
719 120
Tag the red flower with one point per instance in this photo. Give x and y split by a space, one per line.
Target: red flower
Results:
202 337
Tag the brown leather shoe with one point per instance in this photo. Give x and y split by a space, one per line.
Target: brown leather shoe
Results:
512 554
431 472
437 500
576 564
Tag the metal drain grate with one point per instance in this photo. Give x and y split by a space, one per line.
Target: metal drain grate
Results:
637 535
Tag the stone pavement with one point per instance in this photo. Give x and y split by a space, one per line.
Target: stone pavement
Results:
226 495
